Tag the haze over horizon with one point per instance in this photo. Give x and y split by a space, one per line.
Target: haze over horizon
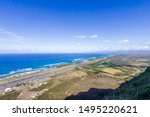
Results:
64 26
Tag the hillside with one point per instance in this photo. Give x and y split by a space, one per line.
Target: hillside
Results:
117 77
137 88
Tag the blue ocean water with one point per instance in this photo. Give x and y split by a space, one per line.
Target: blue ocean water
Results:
11 64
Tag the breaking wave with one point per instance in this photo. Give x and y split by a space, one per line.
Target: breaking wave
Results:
17 72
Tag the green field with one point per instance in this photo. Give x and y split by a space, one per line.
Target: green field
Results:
10 96
108 73
119 77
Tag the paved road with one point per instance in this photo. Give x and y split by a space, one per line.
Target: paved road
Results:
44 75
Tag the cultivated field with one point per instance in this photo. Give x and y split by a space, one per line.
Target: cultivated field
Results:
91 81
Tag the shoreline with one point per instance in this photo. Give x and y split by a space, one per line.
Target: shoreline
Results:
45 67
9 75
69 81
41 75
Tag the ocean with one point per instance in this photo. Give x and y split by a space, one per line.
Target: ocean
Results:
11 64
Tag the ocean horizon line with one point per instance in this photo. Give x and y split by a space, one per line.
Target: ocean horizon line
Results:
94 52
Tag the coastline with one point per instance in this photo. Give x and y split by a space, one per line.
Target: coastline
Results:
41 75
69 81
13 68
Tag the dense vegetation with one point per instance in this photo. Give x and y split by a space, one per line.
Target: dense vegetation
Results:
137 88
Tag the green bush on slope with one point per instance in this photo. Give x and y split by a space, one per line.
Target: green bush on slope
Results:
137 88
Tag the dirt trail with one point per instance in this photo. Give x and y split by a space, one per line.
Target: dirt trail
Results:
25 94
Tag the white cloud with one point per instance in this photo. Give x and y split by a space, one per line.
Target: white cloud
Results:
145 47
8 36
124 41
86 36
94 36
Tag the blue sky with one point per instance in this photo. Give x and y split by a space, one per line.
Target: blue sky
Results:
49 26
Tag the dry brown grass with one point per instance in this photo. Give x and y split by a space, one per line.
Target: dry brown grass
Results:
110 70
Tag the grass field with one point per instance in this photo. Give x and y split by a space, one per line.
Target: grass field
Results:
93 75
112 71
10 96
102 76
43 86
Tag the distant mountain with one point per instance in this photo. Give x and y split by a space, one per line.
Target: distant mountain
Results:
130 52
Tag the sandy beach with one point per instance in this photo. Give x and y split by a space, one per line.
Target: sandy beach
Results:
39 76
88 79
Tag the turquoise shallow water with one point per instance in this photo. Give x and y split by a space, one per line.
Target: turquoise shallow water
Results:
11 64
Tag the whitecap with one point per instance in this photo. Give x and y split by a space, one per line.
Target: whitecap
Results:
78 60
55 64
